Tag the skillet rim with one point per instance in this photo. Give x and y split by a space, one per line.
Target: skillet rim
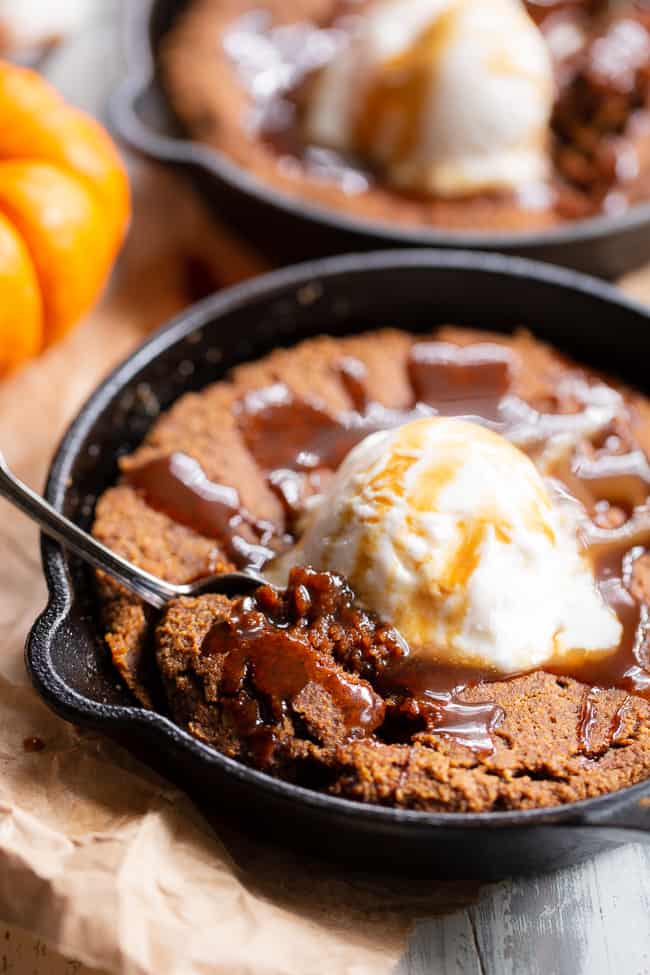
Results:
142 75
74 707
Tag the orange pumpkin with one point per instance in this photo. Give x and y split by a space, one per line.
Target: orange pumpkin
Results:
64 209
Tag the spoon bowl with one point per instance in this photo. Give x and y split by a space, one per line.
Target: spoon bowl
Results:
154 591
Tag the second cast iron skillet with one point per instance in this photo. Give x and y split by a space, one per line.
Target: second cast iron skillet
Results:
415 290
287 228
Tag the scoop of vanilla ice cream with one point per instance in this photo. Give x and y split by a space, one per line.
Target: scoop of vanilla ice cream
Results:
446 96
448 531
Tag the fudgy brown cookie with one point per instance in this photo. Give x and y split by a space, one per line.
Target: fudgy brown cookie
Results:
539 738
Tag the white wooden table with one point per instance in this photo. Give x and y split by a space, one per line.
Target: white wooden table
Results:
593 919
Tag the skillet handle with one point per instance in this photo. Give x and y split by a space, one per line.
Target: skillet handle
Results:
630 817
126 106
126 118
124 103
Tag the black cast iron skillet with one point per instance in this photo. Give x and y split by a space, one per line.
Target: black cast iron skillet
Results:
289 229
411 289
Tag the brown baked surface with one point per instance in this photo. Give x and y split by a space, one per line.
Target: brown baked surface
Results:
213 104
538 759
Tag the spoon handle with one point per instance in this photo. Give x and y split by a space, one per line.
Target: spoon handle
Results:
154 591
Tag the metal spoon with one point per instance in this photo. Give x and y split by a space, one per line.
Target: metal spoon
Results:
156 592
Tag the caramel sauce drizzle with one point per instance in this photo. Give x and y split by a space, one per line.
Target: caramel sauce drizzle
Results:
434 695
471 725
265 643
256 647
461 381
33 744
445 716
299 442
588 720
398 94
178 486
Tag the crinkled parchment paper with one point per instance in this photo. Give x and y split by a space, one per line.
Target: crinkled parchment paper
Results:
98 856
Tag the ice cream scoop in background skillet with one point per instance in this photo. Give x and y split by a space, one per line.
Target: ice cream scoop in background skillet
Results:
414 290
288 228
